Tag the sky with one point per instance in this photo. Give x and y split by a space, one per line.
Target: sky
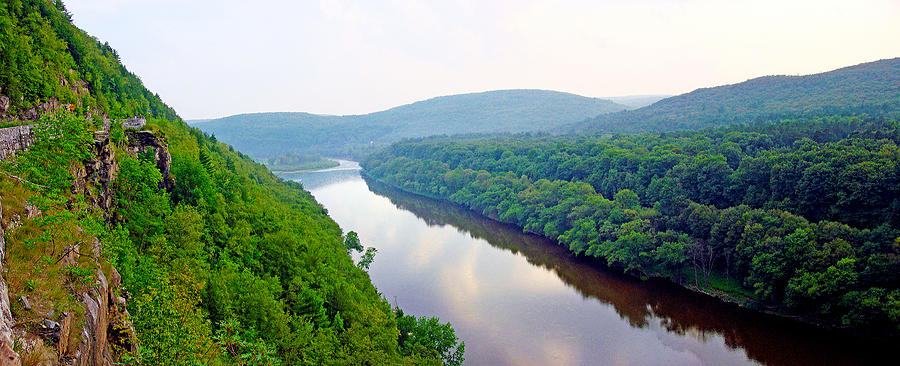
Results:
214 58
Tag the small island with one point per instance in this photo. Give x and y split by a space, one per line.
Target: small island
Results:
294 162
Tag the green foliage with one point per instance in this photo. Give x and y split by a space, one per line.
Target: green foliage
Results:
866 88
801 212
351 242
243 348
141 206
83 276
231 266
45 57
116 133
367 258
427 336
876 306
267 135
61 142
171 326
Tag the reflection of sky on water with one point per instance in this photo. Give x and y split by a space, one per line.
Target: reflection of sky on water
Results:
517 302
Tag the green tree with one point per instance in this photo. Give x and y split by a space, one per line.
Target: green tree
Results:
430 338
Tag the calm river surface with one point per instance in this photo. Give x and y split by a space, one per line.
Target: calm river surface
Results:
518 299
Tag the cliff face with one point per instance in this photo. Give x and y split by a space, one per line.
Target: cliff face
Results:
105 325
8 356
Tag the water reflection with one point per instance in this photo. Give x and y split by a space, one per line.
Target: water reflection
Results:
313 180
518 299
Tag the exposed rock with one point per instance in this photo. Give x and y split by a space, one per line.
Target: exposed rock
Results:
14 222
2 242
140 142
106 323
100 171
4 105
8 357
94 350
49 324
121 330
70 256
63 348
25 304
35 113
48 330
136 123
14 139
31 211
96 249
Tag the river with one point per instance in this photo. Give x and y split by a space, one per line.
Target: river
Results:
518 299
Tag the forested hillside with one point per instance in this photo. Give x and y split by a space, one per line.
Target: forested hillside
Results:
219 261
872 88
798 216
264 135
47 62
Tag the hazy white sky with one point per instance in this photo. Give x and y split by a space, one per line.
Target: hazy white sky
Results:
212 58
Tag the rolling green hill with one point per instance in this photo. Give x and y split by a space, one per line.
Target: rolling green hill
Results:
263 135
872 88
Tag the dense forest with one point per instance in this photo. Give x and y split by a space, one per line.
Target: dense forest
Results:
797 216
870 88
263 135
46 60
221 262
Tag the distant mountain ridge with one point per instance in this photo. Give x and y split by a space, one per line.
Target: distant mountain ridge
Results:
638 101
262 135
872 88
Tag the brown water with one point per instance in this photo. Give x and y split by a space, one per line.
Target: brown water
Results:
518 299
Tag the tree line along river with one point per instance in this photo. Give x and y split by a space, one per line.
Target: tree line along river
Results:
519 299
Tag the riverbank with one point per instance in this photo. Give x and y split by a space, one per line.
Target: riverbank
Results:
721 288
497 285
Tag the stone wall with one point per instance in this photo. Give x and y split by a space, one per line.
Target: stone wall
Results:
136 123
13 139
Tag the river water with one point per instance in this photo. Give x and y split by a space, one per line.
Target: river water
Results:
518 299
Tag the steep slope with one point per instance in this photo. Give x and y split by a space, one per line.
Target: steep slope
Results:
872 88
145 241
263 135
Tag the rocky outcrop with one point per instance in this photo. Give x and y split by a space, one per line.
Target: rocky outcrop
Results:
142 142
120 330
4 105
8 356
14 139
94 350
100 172
105 328
35 113
105 324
